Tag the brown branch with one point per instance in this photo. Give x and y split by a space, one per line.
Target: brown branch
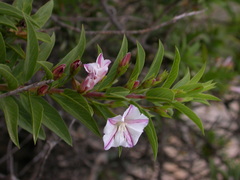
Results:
139 31
25 88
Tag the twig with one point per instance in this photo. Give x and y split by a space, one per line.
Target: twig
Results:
139 31
25 88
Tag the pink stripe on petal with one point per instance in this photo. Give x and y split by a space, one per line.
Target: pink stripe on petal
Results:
107 146
133 121
100 59
128 137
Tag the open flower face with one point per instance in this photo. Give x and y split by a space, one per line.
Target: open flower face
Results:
124 130
96 72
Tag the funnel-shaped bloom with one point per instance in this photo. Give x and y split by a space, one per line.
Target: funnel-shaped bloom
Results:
124 130
96 72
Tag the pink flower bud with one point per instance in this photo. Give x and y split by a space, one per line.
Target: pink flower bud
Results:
136 84
58 71
125 60
75 67
42 90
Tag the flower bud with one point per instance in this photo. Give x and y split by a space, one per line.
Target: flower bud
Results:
125 60
75 67
42 90
58 71
136 84
75 84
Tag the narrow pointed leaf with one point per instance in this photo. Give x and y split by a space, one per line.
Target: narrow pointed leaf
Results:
198 76
174 71
11 114
113 71
78 108
189 113
25 120
53 121
46 49
183 81
36 110
156 64
10 79
2 49
43 13
31 52
24 5
45 65
138 66
17 48
77 52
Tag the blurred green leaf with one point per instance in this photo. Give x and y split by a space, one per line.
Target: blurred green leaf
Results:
2 49
78 108
43 13
183 81
31 52
160 94
118 90
156 64
7 9
189 113
138 66
43 37
47 68
174 71
104 111
46 49
17 48
36 111
24 5
7 22
113 71
11 114
10 79
198 76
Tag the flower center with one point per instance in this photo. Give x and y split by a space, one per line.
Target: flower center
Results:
121 126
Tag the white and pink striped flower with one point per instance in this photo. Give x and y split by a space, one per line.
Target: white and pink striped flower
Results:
96 72
124 130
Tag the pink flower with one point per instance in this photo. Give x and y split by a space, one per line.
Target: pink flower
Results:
124 130
96 72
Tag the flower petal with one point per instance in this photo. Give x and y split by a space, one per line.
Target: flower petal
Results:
134 134
109 134
133 113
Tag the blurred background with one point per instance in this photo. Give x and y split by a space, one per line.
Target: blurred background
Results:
184 153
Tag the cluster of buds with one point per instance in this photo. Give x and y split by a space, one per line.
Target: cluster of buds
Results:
124 64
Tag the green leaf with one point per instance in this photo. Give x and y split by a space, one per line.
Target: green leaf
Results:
183 81
138 66
198 76
36 110
46 49
24 5
7 9
160 94
2 49
7 22
75 53
118 90
113 71
206 97
76 105
104 111
47 68
17 48
99 49
43 13
25 120
188 112
43 37
174 71
152 137
6 73
11 114
53 121
156 64
31 52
